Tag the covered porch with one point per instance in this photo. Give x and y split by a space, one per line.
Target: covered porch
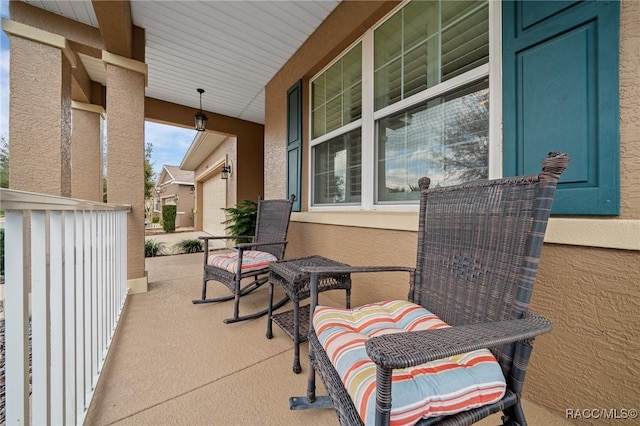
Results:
173 362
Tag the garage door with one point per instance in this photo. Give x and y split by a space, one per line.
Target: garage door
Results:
214 199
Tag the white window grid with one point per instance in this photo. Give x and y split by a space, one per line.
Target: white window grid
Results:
492 70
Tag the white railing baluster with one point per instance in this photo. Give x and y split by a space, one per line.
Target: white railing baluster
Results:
99 289
69 318
108 282
56 307
105 288
71 256
113 278
40 320
114 271
88 280
80 319
95 268
16 321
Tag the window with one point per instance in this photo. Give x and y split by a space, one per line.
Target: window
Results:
338 170
426 115
337 94
427 43
445 138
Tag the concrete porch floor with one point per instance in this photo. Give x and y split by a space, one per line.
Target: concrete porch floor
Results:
175 363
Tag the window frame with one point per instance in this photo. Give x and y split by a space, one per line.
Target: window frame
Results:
367 122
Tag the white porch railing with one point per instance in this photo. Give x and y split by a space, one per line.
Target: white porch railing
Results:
70 256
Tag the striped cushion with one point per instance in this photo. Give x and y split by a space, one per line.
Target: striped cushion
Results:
251 260
441 387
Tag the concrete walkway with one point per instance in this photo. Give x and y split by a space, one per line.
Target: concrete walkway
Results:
169 240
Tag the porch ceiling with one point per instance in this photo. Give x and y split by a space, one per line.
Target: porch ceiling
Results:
229 48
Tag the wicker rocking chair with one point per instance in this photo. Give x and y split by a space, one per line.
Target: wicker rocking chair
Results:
457 350
249 260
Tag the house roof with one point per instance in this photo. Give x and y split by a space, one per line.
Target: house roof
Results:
203 144
174 174
231 49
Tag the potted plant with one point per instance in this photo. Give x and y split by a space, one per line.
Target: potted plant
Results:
241 219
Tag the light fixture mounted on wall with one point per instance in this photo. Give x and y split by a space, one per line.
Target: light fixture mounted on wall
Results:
201 119
226 171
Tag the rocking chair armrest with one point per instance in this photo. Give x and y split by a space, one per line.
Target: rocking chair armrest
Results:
225 237
245 246
401 350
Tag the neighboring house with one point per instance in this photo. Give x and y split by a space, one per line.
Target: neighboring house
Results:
208 154
383 93
175 186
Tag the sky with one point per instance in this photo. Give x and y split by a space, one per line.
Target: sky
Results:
169 143
4 74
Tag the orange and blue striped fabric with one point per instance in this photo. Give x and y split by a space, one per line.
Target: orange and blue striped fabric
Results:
251 260
437 388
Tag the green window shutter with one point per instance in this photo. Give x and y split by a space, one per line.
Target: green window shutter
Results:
560 93
294 144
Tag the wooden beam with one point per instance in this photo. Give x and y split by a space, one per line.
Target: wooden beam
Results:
80 84
116 25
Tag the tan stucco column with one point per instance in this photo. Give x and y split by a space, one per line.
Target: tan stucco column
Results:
86 151
39 110
126 80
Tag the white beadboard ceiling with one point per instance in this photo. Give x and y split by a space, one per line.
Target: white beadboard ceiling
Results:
231 49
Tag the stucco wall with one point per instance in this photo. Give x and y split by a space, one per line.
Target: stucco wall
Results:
41 90
86 156
227 149
185 203
358 246
592 358
125 157
630 110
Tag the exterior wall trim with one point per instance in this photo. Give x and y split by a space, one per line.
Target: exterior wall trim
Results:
28 32
605 233
217 166
98 109
127 63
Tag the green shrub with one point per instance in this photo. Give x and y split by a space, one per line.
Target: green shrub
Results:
152 248
169 218
188 246
155 219
1 251
242 220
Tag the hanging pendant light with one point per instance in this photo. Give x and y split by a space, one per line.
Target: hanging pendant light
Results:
201 119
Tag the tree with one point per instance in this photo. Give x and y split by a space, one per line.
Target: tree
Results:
4 163
149 181
465 154
149 175
169 217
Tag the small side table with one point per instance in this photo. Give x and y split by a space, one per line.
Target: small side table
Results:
296 284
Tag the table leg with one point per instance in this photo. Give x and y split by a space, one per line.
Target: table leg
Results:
270 313
296 337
